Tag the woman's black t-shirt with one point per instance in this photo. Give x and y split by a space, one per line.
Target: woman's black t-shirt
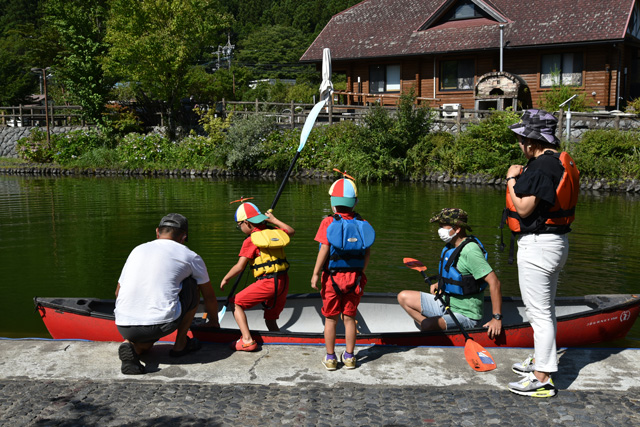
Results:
540 178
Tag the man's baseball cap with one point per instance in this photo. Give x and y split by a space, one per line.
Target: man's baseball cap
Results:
175 220
343 192
249 212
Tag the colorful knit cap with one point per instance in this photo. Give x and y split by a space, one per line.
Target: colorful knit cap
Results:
249 212
343 192
452 216
537 124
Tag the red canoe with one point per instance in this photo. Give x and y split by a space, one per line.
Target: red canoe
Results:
381 321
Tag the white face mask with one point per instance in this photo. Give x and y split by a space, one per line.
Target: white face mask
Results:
443 233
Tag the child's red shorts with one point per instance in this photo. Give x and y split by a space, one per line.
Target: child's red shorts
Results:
347 302
264 291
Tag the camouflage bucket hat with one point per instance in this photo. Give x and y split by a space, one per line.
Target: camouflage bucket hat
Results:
537 124
452 216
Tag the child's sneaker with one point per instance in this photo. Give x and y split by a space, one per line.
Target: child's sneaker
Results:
349 360
531 386
330 362
525 367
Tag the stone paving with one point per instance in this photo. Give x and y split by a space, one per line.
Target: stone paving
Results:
138 403
72 383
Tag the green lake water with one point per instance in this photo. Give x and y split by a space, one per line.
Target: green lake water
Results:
70 237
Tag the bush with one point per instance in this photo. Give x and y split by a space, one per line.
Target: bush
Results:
558 94
121 120
611 154
245 141
280 147
101 157
72 145
320 151
34 147
633 106
488 147
143 151
433 153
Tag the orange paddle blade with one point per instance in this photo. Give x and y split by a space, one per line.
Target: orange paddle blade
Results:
414 264
478 357
241 200
344 174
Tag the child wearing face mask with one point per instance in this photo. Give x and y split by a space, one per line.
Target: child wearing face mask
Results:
345 240
463 275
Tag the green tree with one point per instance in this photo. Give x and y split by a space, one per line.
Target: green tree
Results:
273 51
156 42
80 27
17 29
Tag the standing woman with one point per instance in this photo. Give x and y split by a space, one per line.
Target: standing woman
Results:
541 200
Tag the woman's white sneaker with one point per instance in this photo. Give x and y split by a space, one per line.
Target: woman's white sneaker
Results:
524 368
531 386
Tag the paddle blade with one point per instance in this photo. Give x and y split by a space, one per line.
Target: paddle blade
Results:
414 264
478 357
308 124
221 313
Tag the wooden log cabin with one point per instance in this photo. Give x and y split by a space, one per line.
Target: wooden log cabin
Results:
484 54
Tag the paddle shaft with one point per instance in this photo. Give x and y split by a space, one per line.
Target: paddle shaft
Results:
284 181
438 296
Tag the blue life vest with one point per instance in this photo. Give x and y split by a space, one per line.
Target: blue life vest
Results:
348 242
451 281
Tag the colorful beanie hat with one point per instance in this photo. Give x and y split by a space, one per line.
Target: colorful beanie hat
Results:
249 212
343 192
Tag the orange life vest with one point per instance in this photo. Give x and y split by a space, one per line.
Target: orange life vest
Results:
563 211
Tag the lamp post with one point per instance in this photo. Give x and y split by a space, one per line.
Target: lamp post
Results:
568 101
46 99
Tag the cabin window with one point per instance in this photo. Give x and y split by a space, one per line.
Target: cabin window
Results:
456 75
561 69
384 78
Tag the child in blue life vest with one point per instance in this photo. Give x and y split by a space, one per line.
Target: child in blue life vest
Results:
263 249
345 240
464 273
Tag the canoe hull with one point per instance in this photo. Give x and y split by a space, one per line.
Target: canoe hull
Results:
581 321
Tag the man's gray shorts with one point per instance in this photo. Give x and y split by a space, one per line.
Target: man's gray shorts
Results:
434 308
189 299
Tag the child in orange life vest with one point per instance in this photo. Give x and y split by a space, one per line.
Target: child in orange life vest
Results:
342 268
263 249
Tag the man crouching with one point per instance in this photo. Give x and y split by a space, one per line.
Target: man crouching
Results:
158 293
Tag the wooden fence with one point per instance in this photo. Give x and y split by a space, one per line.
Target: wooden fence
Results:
294 115
36 115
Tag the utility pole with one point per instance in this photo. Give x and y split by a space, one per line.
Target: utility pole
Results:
226 52
46 99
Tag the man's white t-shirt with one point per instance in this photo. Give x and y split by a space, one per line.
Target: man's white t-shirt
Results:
151 280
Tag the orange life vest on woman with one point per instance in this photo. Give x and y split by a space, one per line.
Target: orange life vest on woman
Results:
563 211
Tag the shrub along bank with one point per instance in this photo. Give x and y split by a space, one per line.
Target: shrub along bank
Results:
385 147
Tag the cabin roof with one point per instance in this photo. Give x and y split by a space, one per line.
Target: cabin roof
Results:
391 28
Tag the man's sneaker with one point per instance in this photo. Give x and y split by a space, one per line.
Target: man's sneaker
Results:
524 368
348 360
330 363
530 386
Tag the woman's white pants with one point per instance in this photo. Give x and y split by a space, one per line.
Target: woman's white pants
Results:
540 260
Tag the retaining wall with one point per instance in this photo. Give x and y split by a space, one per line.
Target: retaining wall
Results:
9 137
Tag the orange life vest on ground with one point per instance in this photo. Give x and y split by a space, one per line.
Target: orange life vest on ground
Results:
563 211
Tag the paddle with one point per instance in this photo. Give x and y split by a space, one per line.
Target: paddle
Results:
477 357
226 303
306 130
304 135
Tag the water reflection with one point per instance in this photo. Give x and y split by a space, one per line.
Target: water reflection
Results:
70 236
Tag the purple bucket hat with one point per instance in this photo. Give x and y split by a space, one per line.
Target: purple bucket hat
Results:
537 124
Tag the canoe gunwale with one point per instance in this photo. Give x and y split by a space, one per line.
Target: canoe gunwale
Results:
82 306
